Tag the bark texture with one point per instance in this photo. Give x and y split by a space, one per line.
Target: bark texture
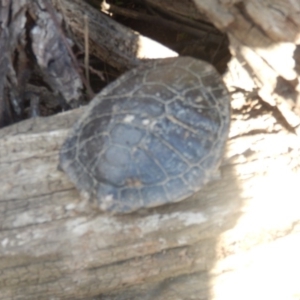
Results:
110 41
33 43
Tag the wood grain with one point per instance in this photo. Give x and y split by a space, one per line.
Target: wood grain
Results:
53 244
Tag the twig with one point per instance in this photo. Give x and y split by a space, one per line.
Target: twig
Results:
86 48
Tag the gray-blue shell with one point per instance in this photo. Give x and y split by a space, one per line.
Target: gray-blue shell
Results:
154 136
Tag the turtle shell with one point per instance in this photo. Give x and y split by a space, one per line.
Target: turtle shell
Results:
154 136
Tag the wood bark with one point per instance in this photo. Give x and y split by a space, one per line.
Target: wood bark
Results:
238 238
53 60
110 41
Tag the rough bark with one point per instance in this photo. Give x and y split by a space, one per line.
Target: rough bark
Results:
110 41
48 46
37 23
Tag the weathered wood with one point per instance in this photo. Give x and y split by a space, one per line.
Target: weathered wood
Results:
51 58
112 42
263 39
53 245
236 239
48 46
267 53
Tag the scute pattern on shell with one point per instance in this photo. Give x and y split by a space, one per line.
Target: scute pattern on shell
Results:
154 136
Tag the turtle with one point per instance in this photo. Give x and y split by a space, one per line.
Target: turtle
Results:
154 136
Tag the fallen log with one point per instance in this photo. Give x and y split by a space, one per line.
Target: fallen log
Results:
238 238
238 228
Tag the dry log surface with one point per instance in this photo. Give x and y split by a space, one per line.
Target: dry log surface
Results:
219 244
236 239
